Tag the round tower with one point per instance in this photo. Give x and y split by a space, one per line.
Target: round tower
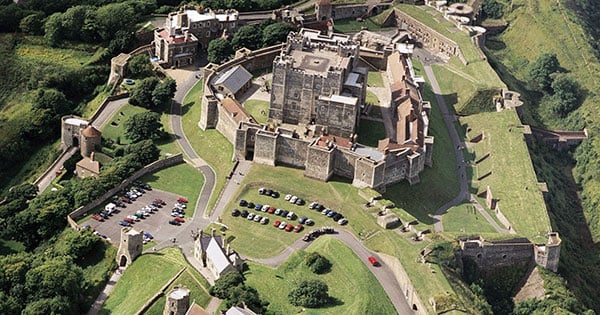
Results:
90 138
178 301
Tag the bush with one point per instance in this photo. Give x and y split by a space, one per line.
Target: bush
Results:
317 263
309 293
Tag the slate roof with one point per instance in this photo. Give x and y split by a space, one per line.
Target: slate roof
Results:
215 253
234 78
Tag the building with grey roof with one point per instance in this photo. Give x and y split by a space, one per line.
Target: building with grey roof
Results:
215 254
233 82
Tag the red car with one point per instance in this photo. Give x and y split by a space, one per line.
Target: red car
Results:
277 223
182 200
98 217
128 220
298 228
180 220
289 227
271 210
373 261
160 201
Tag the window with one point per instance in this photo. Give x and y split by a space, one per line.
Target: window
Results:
208 34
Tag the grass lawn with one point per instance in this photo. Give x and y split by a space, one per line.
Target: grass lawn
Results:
115 127
181 179
465 218
93 105
359 293
439 184
351 25
370 132
256 240
513 180
374 79
144 278
258 109
210 145
198 292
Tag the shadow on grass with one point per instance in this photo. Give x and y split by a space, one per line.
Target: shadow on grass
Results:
332 301
185 108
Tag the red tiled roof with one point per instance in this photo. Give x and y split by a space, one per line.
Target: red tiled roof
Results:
234 108
91 132
339 141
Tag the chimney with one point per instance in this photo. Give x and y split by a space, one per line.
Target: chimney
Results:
187 35
225 245
213 231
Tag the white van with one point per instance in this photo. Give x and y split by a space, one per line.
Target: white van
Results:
110 208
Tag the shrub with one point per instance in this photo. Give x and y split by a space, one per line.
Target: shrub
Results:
317 263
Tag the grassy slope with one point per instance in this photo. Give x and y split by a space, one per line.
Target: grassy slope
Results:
145 277
359 293
210 145
198 292
180 179
465 219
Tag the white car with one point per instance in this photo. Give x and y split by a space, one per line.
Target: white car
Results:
342 221
250 216
291 215
288 197
257 218
264 220
293 199
265 208
282 225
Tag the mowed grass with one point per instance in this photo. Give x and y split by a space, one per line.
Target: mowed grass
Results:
198 292
140 281
181 179
258 109
464 218
352 25
428 279
374 79
370 132
513 180
210 145
115 127
256 240
354 288
439 184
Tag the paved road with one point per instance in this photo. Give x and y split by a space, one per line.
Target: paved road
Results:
110 109
457 144
46 179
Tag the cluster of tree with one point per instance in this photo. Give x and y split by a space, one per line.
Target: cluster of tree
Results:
562 92
139 67
310 293
144 125
246 5
31 221
231 288
492 9
152 93
253 37
317 263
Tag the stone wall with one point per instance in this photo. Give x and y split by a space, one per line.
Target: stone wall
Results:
265 147
227 125
319 163
291 151
349 11
411 295
489 255
160 164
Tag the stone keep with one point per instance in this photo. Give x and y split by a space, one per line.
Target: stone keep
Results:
178 301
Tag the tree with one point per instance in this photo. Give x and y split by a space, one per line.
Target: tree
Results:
76 244
33 24
277 33
56 305
143 126
317 263
492 9
249 36
114 19
54 277
141 94
219 50
566 91
309 293
164 92
142 153
225 284
53 100
540 71
139 66
53 29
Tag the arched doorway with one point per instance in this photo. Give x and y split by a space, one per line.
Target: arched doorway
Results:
75 141
123 261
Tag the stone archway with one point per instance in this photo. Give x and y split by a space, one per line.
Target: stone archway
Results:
75 141
123 261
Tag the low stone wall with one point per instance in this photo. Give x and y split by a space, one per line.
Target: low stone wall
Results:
502 218
405 284
160 164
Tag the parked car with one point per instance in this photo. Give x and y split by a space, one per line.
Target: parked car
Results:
180 205
251 205
124 223
275 194
276 223
271 210
128 220
182 200
250 216
277 211
373 261
120 203
261 191
282 225
291 216
235 212
309 222
268 192
180 220
331 213
243 203
160 201
257 218
148 235
173 222
298 228
287 197
319 207
265 208
289 227
342 221
302 220
293 199
264 220
258 207
284 213
312 205
244 214
300 202
125 199
97 217
325 211
337 217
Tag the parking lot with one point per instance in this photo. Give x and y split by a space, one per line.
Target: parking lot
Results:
156 224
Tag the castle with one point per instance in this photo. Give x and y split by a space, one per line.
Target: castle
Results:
317 95
78 132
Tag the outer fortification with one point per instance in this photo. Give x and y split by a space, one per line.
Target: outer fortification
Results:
318 92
